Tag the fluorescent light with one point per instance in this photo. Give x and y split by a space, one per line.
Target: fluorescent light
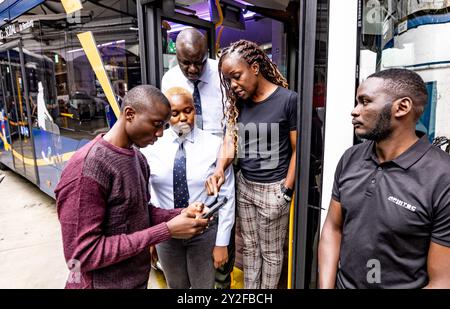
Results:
178 28
100 45
249 14
111 43
243 2
75 50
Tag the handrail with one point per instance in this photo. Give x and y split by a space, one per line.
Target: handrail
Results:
441 141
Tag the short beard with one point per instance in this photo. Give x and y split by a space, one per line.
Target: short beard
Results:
383 127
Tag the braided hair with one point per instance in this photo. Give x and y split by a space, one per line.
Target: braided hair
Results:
251 53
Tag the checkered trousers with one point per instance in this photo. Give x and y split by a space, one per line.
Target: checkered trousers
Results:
263 215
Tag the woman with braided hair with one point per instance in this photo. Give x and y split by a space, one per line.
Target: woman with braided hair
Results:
261 117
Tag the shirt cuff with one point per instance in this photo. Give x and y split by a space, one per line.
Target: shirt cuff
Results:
223 238
161 232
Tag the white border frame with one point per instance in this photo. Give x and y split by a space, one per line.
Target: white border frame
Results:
342 58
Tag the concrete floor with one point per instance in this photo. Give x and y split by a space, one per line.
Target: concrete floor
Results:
31 254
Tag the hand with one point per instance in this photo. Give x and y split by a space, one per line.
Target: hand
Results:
186 225
196 209
214 182
220 256
153 256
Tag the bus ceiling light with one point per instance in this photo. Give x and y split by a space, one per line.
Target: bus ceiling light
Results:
189 2
177 28
270 4
249 14
243 2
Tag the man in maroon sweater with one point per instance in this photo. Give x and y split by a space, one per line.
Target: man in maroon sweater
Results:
102 201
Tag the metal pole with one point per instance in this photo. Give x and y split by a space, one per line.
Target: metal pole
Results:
307 35
142 26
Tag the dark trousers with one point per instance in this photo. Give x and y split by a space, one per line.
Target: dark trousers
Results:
223 273
189 263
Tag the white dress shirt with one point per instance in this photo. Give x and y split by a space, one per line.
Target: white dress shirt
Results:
210 94
201 155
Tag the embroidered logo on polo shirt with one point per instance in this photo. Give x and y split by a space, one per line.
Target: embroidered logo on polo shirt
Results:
402 203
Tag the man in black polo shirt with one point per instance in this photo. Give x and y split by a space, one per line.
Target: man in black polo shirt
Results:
388 225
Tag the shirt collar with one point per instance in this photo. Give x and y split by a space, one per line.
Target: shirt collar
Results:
406 159
190 137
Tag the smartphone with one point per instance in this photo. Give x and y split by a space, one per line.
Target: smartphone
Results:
214 207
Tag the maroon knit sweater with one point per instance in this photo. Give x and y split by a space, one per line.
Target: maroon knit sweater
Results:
107 225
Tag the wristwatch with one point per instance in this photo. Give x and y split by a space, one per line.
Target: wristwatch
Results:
287 193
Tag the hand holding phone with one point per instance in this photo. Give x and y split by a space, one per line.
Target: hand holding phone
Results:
214 207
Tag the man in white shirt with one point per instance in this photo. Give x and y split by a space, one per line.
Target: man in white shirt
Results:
199 75
181 161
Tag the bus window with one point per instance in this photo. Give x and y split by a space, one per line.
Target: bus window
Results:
409 34
68 106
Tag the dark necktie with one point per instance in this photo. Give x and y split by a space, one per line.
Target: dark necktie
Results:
198 105
180 187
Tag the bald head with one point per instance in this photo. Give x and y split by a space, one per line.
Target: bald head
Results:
192 53
144 97
191 39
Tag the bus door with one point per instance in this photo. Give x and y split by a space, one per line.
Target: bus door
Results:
222 22
17 111
6 157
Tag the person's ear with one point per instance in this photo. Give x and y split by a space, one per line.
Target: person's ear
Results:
403 107
255 68
129 113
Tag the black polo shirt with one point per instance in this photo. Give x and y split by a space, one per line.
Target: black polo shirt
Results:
391 212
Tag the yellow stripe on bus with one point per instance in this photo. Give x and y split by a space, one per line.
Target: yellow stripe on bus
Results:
7 146
90 48
41 162
71 6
